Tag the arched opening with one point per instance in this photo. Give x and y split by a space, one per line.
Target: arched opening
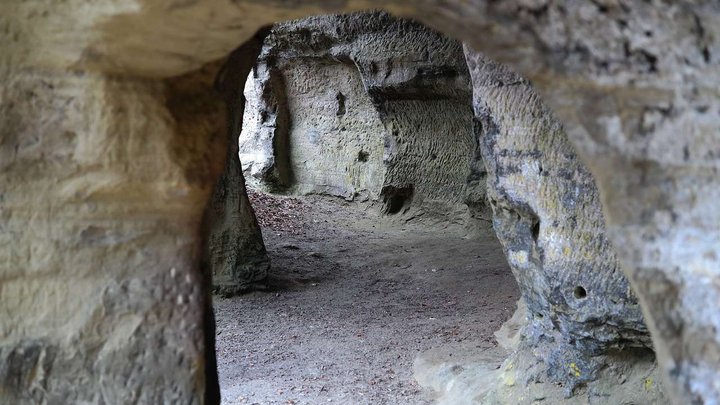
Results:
358 152
328 89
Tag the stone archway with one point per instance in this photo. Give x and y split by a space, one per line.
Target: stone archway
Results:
96 258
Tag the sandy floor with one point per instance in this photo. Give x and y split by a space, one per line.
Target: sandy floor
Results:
351 301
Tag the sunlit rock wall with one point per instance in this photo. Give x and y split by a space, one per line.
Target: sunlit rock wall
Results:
372 107
335 136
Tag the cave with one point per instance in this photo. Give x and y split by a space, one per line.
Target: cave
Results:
589 143
392 116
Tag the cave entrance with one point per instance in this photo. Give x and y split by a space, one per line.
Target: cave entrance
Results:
360 165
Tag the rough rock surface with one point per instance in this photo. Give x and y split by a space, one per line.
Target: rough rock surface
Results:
641 103
101 199
362 106
465 374
237 256
582 317
634 82
334 141
546 206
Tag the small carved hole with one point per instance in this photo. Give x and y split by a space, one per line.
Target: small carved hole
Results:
363 156
341 104
536 231
579 292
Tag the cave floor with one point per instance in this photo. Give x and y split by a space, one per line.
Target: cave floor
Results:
351 300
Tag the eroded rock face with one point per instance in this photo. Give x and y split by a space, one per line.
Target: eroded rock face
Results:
98 238
362 106
640 102
333 140
582 315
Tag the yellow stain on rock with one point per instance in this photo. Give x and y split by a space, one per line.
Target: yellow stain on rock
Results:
508 379
575 370
519 257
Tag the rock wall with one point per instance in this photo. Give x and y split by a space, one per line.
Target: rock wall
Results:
102 300
372 107
335 143
583 321
641 105
634 83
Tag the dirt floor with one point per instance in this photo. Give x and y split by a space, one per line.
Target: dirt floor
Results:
352 299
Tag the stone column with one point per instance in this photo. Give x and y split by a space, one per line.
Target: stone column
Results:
655 152
236 250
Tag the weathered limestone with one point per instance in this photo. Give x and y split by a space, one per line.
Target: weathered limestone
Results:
637 92
362 106
102 197
237 256
582 317
634 83
334 137
651 136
